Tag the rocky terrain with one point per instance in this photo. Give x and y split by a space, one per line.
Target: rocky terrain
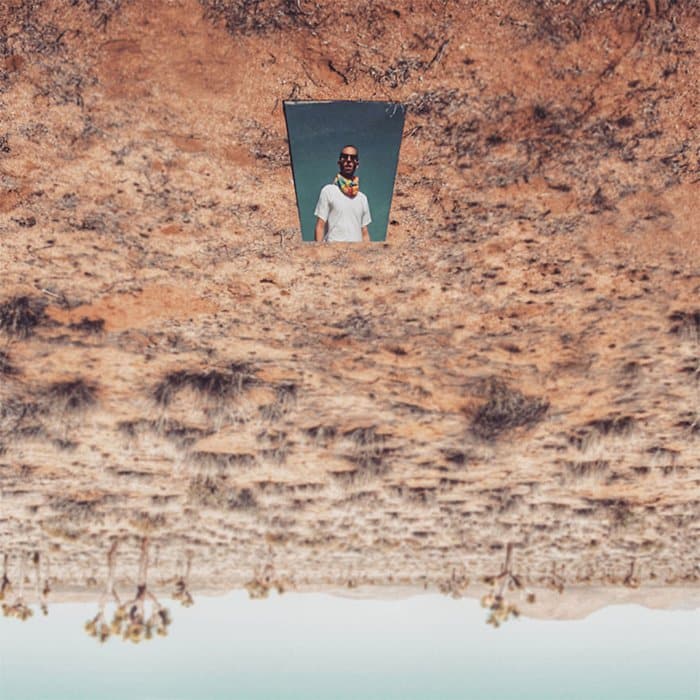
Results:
519 364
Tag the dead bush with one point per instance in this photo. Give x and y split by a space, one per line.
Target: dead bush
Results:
216 492
261 16
88 325
686 324
70 396
506 409
6 367
215 385
19 316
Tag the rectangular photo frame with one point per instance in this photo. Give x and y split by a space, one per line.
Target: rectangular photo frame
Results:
318 131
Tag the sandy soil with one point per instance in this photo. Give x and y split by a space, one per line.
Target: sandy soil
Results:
518 364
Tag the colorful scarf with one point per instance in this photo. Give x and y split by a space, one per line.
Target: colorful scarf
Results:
347 187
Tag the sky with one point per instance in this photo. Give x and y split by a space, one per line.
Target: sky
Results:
319 646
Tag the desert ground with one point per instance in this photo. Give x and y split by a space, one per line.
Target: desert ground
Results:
504 393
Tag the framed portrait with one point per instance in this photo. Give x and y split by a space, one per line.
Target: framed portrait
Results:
344 157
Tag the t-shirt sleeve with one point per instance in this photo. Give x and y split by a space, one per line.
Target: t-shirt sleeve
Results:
366 217
322 206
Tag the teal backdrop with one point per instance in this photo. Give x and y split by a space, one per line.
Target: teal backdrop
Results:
318 130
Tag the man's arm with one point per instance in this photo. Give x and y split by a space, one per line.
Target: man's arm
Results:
366 221
320 229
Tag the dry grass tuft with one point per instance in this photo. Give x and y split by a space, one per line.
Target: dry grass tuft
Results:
285 399
322 434
6 367
587 469
179 434
70 396
74 509
88 325
217 461
19 316
506 409
261 16
216 492
217 386
686 325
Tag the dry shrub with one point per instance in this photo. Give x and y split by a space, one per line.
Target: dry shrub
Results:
356 325
216 492
102 10
146 523
19 417
261 16
181 435
6 367
399 72
217 461
322 433
70 396
73 509
20 315
506 409
88 325
58 528
686 324
215 386
368 455
285 399
591 468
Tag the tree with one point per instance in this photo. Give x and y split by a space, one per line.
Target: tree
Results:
97 627
182 592
500 608
41 593
17 607
137 624
132 619
455 585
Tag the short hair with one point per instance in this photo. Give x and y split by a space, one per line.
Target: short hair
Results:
351 145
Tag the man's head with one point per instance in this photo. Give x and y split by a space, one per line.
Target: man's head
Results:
348 161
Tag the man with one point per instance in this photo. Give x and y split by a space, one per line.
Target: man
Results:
342 212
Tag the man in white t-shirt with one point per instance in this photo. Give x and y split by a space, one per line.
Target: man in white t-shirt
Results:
342 212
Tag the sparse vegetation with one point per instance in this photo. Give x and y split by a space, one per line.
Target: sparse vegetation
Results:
15 607
506 409
455 585
501 609
285 398
215 385
686 325
131 619
74 509
591 432
181 435
591 468
220 461
262 16
357 325
88 325
217 492
369 455
70 396
182 592
19 316
6 367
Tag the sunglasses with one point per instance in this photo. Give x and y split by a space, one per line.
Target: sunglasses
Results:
348 156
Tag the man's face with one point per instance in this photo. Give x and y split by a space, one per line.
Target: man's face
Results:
348 162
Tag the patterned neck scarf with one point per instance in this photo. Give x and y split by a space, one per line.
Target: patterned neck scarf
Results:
347 187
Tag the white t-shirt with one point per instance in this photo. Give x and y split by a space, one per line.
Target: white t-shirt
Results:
344 216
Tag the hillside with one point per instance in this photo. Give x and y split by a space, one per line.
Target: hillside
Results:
518 363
